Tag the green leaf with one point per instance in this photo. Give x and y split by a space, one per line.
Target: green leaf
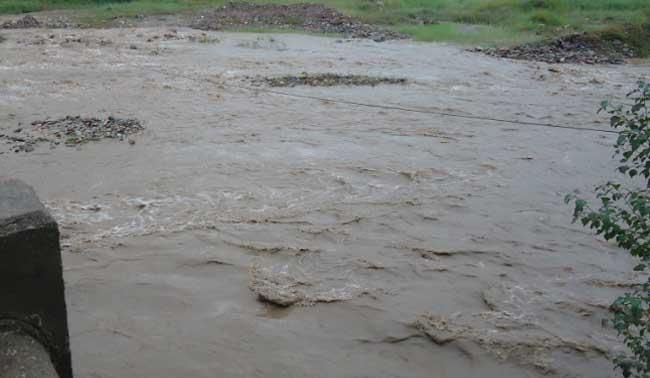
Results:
624 217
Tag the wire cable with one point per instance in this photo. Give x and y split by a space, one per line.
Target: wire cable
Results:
401 108
423 111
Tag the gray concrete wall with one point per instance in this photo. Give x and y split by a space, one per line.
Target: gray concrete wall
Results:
32 300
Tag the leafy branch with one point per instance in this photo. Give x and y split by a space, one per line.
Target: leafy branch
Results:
623 216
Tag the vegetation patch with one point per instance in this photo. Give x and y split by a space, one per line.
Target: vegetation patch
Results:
468 34
635 36
622 215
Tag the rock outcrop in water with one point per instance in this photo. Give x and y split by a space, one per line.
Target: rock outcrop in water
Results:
71 131
280 286
326 80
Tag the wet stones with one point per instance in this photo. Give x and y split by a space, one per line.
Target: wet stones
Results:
70 131
21 23
29 22
577 48
314 18
326 80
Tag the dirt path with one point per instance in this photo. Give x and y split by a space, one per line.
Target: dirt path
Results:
409 245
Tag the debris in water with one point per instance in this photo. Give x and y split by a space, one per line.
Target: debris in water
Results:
203 38
511 329
263 43
71 131
326 80
507 337
279 286
370 265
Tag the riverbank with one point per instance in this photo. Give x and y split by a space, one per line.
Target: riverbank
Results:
476 22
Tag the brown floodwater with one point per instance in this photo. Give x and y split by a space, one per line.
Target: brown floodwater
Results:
387 227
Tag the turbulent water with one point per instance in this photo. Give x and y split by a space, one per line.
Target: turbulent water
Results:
405 244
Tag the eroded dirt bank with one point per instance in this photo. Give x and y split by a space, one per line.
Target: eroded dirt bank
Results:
403 244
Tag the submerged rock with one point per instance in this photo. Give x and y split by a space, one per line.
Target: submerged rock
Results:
326 80
278 288
282 286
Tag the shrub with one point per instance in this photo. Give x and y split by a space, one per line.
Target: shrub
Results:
623 216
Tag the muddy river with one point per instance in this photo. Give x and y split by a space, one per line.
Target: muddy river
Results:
410 244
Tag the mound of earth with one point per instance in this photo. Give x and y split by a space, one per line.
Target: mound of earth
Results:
326 80
21 23
576 48
71 131
314 18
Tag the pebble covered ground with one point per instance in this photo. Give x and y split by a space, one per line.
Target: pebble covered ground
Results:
70 131
326 80
575 48
30 22
21 23
315 18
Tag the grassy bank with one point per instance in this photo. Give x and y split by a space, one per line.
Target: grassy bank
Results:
499 22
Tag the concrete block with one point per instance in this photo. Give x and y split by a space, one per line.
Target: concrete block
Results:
32 300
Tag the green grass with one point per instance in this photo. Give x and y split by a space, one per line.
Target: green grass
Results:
103 8
99 15
468 34
500 21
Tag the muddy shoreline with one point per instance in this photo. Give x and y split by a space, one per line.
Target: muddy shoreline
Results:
584 48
